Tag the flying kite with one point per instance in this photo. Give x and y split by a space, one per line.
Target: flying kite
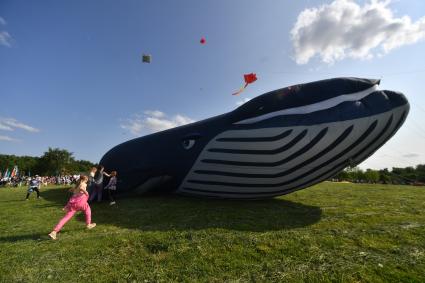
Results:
203 40
146 58
249 79
272 145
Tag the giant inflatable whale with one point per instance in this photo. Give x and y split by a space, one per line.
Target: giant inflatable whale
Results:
279 142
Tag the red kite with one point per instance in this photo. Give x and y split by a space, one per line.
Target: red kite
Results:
249 79
203 40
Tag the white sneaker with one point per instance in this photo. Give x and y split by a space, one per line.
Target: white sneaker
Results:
91 226
112 203
53 235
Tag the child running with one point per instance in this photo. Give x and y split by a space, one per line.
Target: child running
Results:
78 202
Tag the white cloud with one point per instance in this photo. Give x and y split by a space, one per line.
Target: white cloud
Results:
154 113
7 138
411 155
5 127
182 120
133 125
240 102
345 29
10 124
5 39
153 121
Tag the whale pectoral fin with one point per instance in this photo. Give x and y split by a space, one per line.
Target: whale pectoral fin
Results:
151 183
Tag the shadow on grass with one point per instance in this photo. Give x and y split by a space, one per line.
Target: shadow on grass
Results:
19 238
171 212
28 237
178 213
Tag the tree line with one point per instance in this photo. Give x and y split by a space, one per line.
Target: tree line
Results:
408 175
53 162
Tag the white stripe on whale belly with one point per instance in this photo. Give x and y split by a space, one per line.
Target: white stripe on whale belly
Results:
322 105
260 132
334 130
255 133
382 119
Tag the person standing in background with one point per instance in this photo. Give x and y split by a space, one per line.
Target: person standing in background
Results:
91 180
112 187
98 184
34 186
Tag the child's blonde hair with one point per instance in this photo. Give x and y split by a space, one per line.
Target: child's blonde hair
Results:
78 184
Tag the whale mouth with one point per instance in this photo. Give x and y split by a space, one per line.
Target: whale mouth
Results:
144 180
152 184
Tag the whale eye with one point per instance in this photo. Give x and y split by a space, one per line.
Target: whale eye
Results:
189 140
188 143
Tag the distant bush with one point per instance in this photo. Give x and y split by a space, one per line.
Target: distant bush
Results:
400 176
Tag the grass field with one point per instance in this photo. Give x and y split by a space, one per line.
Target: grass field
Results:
328 233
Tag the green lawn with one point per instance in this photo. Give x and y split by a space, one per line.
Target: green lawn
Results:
330 232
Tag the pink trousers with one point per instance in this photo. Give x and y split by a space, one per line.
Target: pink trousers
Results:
68 216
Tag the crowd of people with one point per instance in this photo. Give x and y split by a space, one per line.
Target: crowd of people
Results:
19 181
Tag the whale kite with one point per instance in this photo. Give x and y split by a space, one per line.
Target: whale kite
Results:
277 143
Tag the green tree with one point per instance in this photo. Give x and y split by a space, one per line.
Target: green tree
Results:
355 174
343 176
55 161
371 176
420 172
385 176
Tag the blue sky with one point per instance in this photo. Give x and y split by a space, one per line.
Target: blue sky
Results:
71 74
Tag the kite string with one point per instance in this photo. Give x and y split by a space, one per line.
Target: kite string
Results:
240 90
